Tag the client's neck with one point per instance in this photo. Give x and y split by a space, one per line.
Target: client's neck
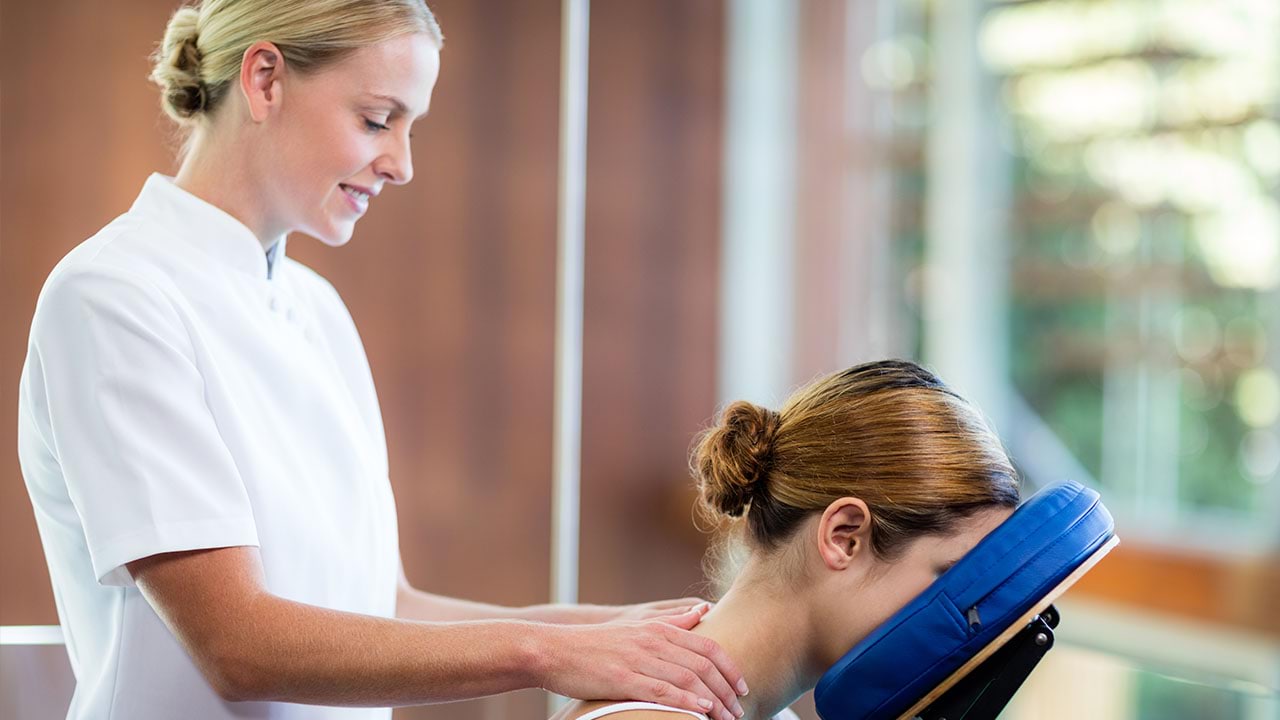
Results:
769 635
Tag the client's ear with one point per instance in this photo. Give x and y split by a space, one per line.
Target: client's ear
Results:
844 529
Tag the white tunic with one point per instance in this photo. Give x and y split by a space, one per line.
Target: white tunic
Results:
178 394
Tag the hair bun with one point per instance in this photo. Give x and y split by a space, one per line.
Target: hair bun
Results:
176 66
732 459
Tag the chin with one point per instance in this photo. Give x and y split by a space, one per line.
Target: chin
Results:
337 241
332 236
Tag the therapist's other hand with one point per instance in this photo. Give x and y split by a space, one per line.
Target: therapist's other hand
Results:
656 661
662 610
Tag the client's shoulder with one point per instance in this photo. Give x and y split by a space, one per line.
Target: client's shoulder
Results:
614 710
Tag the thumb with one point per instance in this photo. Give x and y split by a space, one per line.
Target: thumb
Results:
689 619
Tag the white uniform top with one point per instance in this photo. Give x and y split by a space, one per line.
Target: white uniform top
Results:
180 393
786 714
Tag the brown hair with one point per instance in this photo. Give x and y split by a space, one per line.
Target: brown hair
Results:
199 58
889 432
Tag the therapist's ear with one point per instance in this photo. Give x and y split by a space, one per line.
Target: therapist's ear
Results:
261 71
843 532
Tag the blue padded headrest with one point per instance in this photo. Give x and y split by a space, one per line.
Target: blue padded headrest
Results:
994 584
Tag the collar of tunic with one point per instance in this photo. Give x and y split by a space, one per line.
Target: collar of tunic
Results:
212 230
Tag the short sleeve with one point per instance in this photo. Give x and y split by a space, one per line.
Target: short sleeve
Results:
127 419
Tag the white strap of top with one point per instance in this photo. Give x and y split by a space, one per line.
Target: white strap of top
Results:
784 714
623 707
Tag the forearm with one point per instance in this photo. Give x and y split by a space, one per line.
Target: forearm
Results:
413 604
569 614
292 652
252 645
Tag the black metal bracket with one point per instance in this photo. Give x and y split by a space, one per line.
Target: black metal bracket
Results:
985 691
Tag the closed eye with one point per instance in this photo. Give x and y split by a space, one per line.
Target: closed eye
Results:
374 126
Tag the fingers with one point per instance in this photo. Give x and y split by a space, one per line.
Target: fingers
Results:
689 619
698 675
662 692
676 604
655 661
662 608
722 665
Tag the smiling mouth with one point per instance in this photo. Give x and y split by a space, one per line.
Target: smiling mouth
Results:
360 197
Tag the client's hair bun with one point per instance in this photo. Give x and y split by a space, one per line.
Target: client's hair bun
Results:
731 460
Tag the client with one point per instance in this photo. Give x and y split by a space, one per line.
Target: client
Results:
848 503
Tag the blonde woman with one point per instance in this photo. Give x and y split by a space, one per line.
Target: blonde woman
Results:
200 434
846 504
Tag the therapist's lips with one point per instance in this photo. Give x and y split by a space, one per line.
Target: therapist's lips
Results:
357 196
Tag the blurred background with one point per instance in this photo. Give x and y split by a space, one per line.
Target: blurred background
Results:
1070 209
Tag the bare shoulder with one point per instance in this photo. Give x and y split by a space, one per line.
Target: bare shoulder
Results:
579 708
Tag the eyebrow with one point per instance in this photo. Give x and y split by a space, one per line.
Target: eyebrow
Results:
397 104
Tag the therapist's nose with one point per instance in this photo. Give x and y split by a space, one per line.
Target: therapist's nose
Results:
396 164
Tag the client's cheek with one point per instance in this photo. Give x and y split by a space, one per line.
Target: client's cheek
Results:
905 589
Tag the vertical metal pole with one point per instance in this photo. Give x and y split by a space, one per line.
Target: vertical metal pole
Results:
757 254
966 293
872 322
571 210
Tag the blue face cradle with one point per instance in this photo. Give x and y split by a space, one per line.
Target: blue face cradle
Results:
1015 568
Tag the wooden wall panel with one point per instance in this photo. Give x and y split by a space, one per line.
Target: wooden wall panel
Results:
79 133
825 228
451 279
454 286
652 230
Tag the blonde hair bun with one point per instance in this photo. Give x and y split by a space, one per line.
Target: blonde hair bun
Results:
176 67
731 461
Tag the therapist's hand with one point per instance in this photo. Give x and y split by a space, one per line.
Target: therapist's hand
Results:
660 609
656 661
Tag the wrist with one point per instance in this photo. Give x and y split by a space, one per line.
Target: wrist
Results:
570 614
539 651
594 614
